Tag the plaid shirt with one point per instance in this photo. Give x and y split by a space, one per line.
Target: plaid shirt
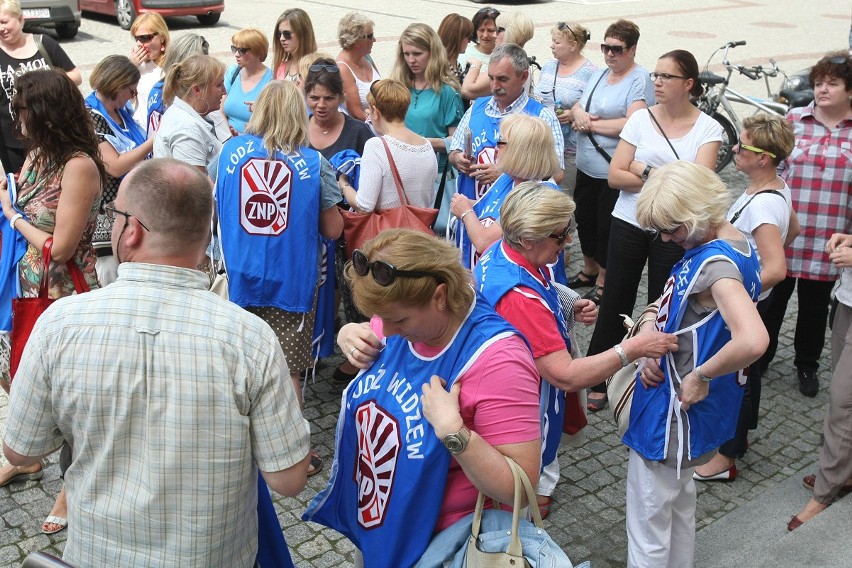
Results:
819 173
171 398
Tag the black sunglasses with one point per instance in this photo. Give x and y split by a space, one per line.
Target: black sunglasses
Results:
110 211
838 59
562 26
490 13
658 232
241 50
317 67
614 49
384 273
563 236
145 38
501 30
287 34
373 87
368 36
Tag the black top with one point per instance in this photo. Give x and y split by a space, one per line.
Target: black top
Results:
353 136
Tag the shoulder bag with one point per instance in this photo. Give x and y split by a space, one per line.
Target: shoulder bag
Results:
359 228
25 311
620 386
591 136
663 132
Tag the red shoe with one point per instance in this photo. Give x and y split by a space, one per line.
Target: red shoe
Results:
795 522
809 480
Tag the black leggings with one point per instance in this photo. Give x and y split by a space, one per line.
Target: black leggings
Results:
595 200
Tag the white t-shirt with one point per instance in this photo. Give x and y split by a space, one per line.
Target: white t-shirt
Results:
151 73
761 208
653 150
417 166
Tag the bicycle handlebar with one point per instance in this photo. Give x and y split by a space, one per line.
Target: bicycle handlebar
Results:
735 43
752 74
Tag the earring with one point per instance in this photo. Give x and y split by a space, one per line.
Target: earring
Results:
442 307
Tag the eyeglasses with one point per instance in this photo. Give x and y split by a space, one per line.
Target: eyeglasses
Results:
317 67
613 49
669 232
287 34
110 211
145 38
740 146
664 77
384 273
369 36
501 30
241 50
563 236
134 91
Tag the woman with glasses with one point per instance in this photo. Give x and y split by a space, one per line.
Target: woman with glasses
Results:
477 54
20 52
58 197
611 95
151 39
455 31
437 363
123 143
514 277
516 28
687 402
246 78
356 35
673 129
193 89
819 173
292 39
561 83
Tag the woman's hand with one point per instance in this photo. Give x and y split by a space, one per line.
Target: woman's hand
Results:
585 311
692 390
139 54
841 258
441 408
485 173
460 204
837 241
6 199
650 373
650 343
359 344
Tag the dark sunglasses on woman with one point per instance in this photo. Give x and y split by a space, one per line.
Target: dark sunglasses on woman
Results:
384 273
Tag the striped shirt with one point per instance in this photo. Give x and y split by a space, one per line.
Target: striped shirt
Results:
171 398
819 173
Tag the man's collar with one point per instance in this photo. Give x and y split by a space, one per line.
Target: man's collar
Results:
518 103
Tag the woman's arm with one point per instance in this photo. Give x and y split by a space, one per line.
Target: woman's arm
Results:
480 236
370 179
476 83
773 265
440 144
351 94
612 127
74 75
117 165
707 155
793 230
623 168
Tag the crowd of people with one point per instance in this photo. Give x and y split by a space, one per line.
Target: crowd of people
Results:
458 343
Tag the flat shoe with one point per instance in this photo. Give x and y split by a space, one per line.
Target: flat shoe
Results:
316 464
61 522
581 280
596 404
726 476
809 480
595 294
795 522
23 477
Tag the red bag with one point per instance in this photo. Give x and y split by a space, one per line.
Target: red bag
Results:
25 311
359 228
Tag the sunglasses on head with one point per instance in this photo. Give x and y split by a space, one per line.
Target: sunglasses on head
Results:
317 67
614 49
740 146
373 87
490 13
838 59
562 26
145 38
241 50
287 34
384 273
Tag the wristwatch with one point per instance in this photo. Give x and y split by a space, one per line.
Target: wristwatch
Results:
457 442
646 172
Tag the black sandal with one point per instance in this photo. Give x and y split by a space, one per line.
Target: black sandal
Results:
316 464
595 294
581 280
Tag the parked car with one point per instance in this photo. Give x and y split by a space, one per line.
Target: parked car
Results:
62 15
208 12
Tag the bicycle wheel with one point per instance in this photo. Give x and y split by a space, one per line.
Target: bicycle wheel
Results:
729 138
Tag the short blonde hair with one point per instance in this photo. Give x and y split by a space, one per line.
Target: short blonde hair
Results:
11 7
280 117
157 24
201 70
772 133
411 250
683 193
531 151
254 39
352 28
519 27
571 31
533 211
307 60
391 98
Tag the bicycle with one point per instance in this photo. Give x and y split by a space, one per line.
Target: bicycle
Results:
718 93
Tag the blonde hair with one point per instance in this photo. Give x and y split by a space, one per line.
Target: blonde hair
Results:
11 7
307 60
531 151
519 27
772 133
411 250
533 211
437 71
280 117
200 70
391 98
351 28
301 25
254 39
571 31
156 24
683 193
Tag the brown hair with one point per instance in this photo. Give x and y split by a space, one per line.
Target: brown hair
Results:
453 29
688 67
625 30
391 98
826 68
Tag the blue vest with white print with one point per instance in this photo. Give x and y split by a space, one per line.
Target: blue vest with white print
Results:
496 275
713 421
387 481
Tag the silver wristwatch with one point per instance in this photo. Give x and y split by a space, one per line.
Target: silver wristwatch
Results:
457 442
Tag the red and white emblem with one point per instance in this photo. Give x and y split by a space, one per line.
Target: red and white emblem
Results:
379 446
265 189
487 155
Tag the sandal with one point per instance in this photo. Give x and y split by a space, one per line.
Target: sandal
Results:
23 476
340 379
596 404
544 502
595 294
581 280
53 524
316 464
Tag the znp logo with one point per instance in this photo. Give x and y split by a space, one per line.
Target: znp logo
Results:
379 445
265 189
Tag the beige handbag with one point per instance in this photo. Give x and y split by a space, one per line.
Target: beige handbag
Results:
514 555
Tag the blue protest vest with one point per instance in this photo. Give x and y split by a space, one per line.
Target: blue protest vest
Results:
387 481
123 138
156 108
485 131
713 421
487 210
269 220
496 275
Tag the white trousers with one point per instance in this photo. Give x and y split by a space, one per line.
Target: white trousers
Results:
660 515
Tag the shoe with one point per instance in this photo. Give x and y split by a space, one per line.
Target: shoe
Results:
808 382
23 477
809 480
596 404
544 508
341 379
581 280
726 476
60 522
316 464
794 523
595 294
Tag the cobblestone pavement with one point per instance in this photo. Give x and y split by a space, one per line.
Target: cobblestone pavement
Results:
588 516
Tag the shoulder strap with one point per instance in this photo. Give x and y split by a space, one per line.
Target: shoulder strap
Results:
439 196
663 132
40 45
399 189
738 213
594 142
234 76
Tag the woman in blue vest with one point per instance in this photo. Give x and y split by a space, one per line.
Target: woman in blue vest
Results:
513 276
440 366
691 398
275 196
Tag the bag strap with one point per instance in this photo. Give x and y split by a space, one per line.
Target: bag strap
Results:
738 213
399 189
40 46
80 284
591 136
440 195
663 132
